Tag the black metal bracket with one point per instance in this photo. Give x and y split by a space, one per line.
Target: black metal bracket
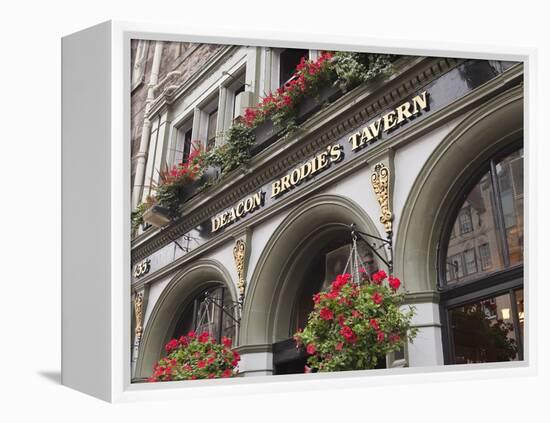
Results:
211 300
355 234
188 239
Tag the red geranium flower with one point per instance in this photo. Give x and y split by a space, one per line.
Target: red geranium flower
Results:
394 337
380 336
172 345
226 342
326 314
332 295
348 334
379 276
394 283
311 349
341 320
191 334
203 338
377 298
374 324
339 346
201 364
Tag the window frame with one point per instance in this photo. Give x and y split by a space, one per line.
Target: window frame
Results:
177 149
194 302
465 211
506 280
202 117
455 207
274 66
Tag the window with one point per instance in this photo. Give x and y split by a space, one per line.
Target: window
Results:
180 150
470 261
486 330
211 130
187 140
204 313
465 221
237 101
485 256
481 274
288 60
206 129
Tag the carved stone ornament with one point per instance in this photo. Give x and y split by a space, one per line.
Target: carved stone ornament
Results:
239 253
138 310
380 182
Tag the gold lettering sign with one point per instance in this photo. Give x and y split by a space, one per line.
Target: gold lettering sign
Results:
388 121
244 207
331 154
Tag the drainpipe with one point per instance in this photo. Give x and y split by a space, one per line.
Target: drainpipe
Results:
141 156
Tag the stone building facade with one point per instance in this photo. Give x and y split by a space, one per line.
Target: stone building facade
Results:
451 202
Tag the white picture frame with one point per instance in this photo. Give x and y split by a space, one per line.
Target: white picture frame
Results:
96 338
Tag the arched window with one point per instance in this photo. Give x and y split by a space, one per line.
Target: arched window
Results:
481 266
212 311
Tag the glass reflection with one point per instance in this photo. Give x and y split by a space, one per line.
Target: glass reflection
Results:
204 314
510 185
483 331
474 249
478 244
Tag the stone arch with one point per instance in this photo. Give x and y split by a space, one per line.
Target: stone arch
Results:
183 287
271 293
470 145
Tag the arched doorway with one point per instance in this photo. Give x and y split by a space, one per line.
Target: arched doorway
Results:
305 253
181 306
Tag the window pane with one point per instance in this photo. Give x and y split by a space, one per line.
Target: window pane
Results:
485 256
211 135
474 250
187 145
483 331
510 182
289 59
470 261
465 221
204 314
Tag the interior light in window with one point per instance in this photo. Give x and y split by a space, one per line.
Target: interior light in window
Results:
505 313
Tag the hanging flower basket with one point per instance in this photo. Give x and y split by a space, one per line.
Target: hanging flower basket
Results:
355 322
196 357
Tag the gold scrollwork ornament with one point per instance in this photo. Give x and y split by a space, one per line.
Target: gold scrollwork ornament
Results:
239 252
138 310
380 182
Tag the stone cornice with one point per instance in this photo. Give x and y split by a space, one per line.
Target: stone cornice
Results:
344 115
